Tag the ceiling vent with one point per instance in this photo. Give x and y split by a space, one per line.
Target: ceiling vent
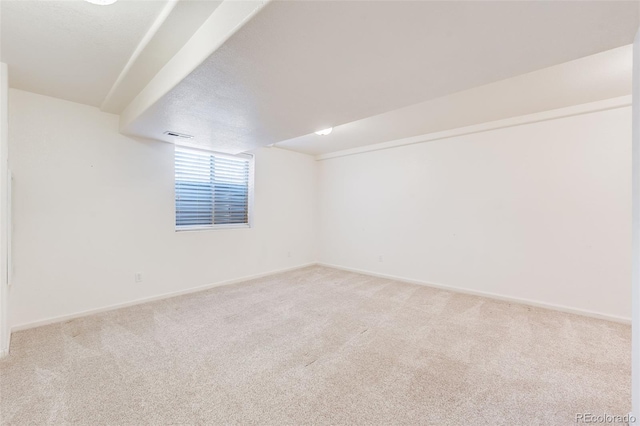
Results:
178 135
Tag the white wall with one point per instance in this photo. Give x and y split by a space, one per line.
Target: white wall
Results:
5 330
635 294
539 212
92 207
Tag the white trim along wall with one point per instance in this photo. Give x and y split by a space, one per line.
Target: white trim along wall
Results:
619 102
635 262
62 318
5 326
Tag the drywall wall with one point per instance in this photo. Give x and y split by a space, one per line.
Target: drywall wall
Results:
5 330
538 212
635 281
93 207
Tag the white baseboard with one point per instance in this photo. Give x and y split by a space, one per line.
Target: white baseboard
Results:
528 302
5 351
75 315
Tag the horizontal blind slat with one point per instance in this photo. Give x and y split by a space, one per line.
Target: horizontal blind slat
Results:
210 189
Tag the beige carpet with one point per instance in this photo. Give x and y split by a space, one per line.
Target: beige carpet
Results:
318 346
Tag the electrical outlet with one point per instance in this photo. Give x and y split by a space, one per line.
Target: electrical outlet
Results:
288 254
380 259
138 277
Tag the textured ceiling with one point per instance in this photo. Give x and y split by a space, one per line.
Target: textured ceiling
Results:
297 67
71 49
184 18
597 77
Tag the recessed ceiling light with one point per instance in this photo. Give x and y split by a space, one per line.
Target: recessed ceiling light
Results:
101 2
325 132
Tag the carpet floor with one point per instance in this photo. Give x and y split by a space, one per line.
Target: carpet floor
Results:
318 346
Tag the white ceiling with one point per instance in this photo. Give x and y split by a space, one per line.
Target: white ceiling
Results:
71 50
248 74
95 55
162 42
297 67
597 77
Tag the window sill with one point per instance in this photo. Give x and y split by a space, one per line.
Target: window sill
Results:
212 227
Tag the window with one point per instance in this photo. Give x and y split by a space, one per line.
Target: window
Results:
212 190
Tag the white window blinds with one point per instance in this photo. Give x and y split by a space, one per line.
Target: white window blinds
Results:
211 189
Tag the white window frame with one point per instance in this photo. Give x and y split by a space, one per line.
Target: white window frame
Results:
217 227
